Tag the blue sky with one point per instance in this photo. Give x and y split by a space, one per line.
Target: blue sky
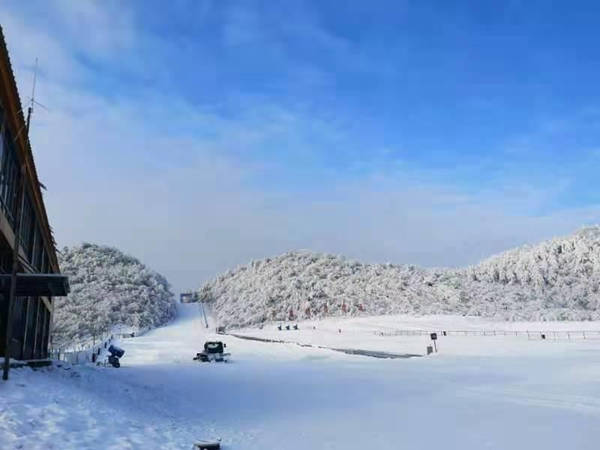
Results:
422 132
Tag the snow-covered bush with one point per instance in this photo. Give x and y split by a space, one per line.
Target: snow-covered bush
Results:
108 288
555 280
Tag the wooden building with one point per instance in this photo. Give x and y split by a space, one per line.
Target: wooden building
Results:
37 280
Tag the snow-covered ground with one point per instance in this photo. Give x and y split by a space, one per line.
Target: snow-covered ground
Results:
402 334
478 392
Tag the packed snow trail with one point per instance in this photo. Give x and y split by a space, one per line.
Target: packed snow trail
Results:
289 397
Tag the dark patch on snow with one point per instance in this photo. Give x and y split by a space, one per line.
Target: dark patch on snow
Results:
348 351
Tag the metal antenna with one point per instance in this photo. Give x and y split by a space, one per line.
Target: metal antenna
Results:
32 102
30 109
32 99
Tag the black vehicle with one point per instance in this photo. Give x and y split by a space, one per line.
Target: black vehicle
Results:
213 351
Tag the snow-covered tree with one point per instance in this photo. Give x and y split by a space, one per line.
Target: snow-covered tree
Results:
555 280
108 288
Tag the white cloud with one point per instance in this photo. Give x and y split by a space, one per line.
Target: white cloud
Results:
180 186
102 27
55 61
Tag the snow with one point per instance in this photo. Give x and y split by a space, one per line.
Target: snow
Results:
477 392
555 280
407 334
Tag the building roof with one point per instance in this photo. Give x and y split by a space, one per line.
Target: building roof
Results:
37 285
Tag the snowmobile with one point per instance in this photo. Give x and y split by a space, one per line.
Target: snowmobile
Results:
213 351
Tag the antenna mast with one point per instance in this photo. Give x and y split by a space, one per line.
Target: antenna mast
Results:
30 108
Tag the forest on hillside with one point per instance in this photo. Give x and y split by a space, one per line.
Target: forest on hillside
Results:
108 289
555 280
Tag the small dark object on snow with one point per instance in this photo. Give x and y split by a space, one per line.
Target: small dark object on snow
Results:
205 445
287 327
296 327
444 333
543 336
213 351
116 351
114 361
279 327
433 336
115 354
221 330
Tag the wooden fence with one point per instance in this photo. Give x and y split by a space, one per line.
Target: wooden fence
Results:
90 351
82 354
530 334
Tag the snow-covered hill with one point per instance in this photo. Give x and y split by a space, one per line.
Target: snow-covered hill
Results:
108 288
556 280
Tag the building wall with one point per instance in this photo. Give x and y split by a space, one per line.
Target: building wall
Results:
30 329
31 316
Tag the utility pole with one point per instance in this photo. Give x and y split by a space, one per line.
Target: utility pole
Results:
204 314
20 194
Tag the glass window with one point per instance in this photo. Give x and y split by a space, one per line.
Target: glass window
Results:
27 227
1 139
47 268
38 250
43 264
10 177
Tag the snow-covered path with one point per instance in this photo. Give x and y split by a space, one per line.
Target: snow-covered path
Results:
287 397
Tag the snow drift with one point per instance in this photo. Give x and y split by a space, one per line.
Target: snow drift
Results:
108 288
556 280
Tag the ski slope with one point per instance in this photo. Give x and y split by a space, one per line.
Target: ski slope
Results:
476 393
472 336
